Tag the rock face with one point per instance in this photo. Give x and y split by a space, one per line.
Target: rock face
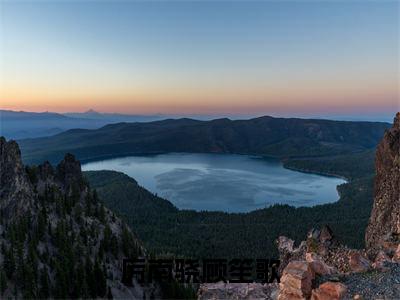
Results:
384 224
57 239
14 183
296 281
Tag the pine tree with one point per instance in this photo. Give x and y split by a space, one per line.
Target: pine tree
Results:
114 245
95 197
109 294
90 278
41 227
107 234
61 286
29 286
127 244
102 214
88 205
79 284
3 281
9 262
101 283
44 291
20 270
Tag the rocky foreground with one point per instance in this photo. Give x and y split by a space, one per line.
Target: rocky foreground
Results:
321 268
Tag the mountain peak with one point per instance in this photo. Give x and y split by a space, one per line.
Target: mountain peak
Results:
91 112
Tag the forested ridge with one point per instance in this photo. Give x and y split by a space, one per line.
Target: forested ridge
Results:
269 136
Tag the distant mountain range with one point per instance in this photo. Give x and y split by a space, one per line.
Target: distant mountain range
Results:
114 117
20 124
279 137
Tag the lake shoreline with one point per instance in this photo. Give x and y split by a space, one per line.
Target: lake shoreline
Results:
283 161
223 182
308 171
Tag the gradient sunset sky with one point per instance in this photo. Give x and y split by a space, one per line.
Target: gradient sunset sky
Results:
201 57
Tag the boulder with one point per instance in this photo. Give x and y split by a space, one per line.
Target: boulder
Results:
380 261
320 240
358 263
318 265
287 252
296 281
326 234
285 244
396 256
329 291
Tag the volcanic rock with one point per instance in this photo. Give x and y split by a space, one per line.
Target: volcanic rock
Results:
384 223
296 281
358 263
329 291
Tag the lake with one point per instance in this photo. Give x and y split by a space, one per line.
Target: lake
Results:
223 182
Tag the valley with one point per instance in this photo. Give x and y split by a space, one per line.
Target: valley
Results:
314 146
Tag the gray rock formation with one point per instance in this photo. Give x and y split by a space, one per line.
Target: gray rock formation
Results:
383 231
15 188
51 222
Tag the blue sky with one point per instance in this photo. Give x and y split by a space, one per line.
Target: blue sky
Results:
222 57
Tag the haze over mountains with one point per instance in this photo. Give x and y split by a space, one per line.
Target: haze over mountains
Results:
20 124
23 124
269 136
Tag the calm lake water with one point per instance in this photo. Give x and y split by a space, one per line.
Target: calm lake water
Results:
231 183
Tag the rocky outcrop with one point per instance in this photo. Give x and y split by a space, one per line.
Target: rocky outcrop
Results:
287 251
381 261
396 256
358 263
243 291
318 264
296 281
54 227
329 291
383 230
331 271
69 173
14 182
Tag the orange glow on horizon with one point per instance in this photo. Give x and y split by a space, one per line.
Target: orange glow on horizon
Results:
296 96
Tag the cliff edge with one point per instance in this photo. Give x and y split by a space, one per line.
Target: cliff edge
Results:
383 231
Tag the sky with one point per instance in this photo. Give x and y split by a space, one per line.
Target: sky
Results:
201 57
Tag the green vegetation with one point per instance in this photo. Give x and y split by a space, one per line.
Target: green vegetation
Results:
351 166
277 137
166 229
52 252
